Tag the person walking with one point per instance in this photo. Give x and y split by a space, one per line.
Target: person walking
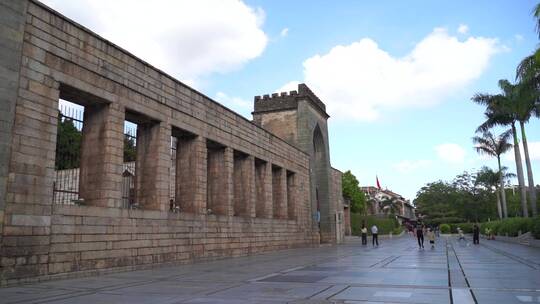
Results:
476 234
364 234
375 235
431 237
420 235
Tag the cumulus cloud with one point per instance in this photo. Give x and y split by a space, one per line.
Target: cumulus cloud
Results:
284 32
534 152
451 153
360 80
407 166
237 104
187 39
463 29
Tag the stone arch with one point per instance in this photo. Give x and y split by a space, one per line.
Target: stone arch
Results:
320 182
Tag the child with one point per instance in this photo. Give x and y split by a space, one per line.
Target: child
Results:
431 238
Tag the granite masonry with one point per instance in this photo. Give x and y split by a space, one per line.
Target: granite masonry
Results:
241 187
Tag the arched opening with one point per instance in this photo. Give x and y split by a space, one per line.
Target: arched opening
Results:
320 183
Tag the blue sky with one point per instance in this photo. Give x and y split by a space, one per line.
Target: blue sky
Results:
397 76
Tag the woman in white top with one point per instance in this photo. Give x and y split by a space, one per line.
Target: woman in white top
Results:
375 235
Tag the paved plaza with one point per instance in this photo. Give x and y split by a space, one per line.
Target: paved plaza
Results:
394 272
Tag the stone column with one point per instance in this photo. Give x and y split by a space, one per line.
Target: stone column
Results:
152 165
279 192
227 198
244 194
263 189
291 196
220 176
102 151
191 174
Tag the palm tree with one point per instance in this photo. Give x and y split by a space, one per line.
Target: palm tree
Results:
496 146
501 110
491 181
389 205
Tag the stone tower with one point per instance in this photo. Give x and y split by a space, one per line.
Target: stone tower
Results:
300 118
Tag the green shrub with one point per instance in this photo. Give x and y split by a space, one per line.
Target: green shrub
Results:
445 228
535 227
385 224
512 226
397 230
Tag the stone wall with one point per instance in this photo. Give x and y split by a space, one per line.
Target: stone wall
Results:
61 59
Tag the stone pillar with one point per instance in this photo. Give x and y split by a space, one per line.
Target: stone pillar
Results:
152 165
291 196
191 174
227 199
263 186
102 151
279 192
243 185
219 176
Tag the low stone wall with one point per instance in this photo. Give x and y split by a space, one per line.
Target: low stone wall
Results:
93 240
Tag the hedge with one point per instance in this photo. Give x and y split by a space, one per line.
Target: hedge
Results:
385 225
445 228
510 226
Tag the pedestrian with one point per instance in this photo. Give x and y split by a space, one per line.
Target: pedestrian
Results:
375 235
476 234
431 237
420 235
364 234
461 234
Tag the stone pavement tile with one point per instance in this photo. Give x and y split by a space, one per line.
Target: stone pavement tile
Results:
31 293
311 278
394 295
272 291
173 288
506 297
462 296
107 298
351 280
91 283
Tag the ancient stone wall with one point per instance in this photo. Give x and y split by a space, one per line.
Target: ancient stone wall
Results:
217 150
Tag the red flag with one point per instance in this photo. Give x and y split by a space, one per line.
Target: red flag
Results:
378 184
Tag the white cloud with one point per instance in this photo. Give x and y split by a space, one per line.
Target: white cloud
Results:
284 32
237 104
534 152
360 80
289 86
187 39
450 152
407 166
463 29
519 37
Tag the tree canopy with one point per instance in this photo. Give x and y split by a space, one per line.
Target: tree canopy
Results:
352 192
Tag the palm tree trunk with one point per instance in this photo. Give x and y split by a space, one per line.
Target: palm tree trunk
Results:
499 211
519 169
501 188
532 188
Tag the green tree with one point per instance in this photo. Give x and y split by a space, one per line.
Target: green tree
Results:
501 110
68 144
130 151
495 146
352 192
389 205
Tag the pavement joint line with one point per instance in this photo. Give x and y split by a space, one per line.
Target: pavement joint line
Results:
395 258
342 290
448 269
319 292
463 272
381 261
511 256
